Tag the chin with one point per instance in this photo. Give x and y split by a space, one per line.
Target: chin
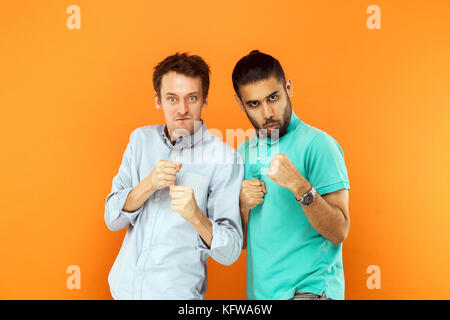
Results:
186 127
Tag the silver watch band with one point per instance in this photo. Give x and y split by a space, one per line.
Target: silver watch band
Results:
310 195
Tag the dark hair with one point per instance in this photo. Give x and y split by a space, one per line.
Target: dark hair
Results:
254 67
185 64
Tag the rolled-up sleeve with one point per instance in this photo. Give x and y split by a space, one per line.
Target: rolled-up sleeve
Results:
223 212
115 217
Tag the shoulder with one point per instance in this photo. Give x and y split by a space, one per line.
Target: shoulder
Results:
243 146
319 141
144 133
220 151
307 132
244 150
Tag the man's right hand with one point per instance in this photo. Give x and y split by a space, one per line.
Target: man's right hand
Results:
164 174
252 194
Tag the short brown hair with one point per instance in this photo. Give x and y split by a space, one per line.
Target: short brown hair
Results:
185 64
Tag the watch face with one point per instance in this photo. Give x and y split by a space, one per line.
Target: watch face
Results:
308 199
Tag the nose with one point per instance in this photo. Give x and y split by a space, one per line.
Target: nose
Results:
183 108
268 112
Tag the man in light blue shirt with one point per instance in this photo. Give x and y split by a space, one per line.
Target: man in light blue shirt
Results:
177 191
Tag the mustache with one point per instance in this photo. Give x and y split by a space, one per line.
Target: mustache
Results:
271 122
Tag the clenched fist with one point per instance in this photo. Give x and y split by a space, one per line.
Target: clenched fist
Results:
252 194
283 172
164 174
184 203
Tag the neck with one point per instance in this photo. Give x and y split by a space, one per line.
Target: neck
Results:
174 134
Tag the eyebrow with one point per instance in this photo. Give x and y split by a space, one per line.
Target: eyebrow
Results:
275 92
174 94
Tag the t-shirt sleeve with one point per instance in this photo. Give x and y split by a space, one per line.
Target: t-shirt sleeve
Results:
325 164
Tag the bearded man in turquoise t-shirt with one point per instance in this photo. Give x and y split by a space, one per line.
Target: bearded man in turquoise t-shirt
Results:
294 199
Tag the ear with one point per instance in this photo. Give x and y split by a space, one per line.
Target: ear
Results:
289 88
157 102
205 102
239 102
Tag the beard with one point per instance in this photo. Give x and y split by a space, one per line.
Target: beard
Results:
282 124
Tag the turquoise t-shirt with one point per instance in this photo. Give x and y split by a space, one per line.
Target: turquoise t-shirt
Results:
284 252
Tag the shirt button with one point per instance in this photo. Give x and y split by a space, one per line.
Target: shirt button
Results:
139 273
150 224
259 158
145 249
156 199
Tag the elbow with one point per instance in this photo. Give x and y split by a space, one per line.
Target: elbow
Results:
229 259
108 222
116 225
113 224
112 227
114 220
227 262
339 237
337 241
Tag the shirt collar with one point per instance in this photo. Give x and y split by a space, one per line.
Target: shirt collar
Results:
293 123
186 141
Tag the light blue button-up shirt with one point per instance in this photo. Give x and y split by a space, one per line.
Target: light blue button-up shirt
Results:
162 255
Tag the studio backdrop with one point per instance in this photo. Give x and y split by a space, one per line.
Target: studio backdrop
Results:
76 80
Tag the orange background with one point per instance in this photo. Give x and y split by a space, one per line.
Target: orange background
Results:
70 98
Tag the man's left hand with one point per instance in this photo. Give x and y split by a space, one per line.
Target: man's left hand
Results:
284 172
184 203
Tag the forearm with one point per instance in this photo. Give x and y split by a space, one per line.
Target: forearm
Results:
244 214
326 219
204 228
228 240
138 196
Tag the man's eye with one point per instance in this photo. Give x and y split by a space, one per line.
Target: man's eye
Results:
253 104
273 98
172 99
192 98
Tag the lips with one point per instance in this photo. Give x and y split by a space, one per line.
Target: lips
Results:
271 125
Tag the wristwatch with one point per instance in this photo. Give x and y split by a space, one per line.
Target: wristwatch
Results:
308 197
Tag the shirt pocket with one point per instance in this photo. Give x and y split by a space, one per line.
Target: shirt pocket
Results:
199 184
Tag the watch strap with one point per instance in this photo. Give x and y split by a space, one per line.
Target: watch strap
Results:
312 191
